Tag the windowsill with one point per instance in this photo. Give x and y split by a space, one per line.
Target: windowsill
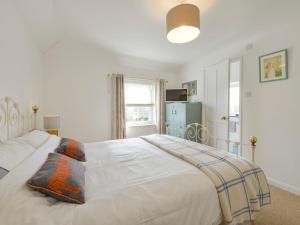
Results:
141 125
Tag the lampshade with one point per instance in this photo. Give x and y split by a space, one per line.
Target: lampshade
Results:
183 23
51 122
35 109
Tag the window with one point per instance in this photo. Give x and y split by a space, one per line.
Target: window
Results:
140 102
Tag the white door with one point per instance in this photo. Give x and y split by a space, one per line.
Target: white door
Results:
216 103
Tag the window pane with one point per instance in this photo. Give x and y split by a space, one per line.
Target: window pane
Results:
234 99
139 93
139 115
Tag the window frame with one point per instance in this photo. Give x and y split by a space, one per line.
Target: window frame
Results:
153 105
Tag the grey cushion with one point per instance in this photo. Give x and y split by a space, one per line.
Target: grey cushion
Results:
71 148
60 177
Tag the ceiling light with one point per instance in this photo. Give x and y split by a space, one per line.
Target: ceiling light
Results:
183 23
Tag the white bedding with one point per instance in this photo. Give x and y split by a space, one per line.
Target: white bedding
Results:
35 138
128 182
13 152
16 150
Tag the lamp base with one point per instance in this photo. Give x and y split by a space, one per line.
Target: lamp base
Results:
52 131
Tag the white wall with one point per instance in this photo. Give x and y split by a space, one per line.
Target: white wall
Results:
272 112
78 89
21 66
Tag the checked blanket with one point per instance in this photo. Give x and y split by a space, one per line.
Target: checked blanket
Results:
241 185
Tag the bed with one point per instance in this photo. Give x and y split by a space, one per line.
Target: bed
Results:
139 181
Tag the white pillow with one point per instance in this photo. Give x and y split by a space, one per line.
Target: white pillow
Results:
13 152
35 138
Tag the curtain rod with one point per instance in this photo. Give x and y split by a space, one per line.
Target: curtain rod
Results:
139 78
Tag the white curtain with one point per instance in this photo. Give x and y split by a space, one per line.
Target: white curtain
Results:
118 107
160 88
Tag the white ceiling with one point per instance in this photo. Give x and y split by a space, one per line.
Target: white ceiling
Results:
137 27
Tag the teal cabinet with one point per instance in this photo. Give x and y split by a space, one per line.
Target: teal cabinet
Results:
180 114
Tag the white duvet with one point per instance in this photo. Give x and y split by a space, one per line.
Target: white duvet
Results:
128 182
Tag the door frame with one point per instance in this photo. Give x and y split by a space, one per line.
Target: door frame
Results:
232 60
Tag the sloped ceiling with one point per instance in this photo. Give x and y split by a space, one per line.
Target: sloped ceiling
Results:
39 15
137 27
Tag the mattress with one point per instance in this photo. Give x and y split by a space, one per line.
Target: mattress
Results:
128 182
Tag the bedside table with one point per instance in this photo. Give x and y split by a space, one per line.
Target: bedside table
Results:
52 131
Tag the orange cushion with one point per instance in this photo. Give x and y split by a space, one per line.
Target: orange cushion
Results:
71 148
60 177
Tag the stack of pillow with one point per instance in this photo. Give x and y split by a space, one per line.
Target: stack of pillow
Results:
62 174
15 151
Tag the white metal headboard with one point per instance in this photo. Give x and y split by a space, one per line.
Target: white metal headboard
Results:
194 132
13 123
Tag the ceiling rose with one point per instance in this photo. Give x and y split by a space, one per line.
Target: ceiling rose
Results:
183 23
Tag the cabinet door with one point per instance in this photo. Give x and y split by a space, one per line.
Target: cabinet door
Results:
170 119
194 113
179 115
169 114
175 117
180 119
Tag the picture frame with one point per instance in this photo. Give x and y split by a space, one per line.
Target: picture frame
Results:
273 66
191 87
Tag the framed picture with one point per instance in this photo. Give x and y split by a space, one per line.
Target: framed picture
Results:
273 66
191 87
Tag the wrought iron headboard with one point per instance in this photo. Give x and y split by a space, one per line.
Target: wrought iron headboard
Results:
13 123
194 132
197 132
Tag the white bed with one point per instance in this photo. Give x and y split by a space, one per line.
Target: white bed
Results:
128 182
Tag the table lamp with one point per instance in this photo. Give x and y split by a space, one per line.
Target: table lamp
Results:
52 124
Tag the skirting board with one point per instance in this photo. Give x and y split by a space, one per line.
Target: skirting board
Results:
284 186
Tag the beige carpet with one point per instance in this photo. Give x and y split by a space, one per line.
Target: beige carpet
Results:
284 210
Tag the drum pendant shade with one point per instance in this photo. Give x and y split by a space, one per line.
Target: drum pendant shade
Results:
183 23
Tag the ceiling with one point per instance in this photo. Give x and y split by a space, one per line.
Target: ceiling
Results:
137 27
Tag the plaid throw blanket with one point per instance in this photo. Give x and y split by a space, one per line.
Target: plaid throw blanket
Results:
241 185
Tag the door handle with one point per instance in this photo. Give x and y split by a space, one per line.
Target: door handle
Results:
224 118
